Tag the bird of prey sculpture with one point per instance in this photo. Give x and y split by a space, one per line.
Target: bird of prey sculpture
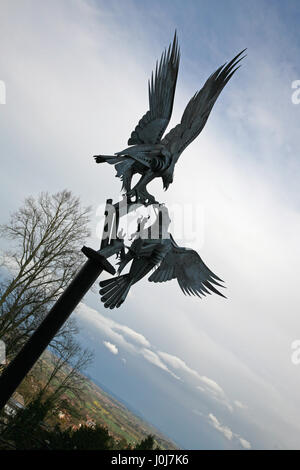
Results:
169 260
150 154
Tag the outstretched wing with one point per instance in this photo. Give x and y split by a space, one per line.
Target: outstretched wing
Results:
193 276
161 96
199 107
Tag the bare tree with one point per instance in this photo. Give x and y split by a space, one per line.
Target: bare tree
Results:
61 374
68 363
47 234
46 237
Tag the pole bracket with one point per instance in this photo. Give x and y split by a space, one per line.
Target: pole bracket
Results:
100 259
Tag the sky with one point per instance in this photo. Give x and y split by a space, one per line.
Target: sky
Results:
210 373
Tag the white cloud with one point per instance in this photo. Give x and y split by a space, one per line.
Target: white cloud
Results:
205 384
245 444
158 358
227 432
212 384
133 335
240 405
152 357
111 347
111 328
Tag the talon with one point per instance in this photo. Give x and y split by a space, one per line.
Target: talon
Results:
130 194
141 196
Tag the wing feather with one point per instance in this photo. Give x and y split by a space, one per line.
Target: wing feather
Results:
161 90
199 107
193 276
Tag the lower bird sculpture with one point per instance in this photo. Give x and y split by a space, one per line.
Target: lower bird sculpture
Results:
171 262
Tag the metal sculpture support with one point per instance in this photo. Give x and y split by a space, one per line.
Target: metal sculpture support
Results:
151 156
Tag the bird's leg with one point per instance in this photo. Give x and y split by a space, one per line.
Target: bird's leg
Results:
127 180
140 191
124 261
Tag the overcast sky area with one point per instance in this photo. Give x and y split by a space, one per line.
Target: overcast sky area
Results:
210 373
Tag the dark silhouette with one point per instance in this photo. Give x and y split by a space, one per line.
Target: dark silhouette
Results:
163 253
150 155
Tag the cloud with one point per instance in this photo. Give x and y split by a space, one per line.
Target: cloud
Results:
245 443
240 405
111 347
131 334
204 384
111 329
152 357
212 385
160 359
227 432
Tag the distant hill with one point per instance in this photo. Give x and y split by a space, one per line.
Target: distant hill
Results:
118 398
99 406
122 422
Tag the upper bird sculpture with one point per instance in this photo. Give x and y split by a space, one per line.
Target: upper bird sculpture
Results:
169 260
149 154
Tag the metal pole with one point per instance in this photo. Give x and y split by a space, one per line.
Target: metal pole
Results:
18 368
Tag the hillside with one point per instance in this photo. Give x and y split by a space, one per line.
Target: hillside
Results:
97 407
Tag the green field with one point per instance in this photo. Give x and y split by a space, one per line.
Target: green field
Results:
97 406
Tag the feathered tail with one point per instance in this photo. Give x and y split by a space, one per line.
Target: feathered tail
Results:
112 159
114 291
123 165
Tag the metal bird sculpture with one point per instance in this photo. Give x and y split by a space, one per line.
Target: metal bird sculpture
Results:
170 260
149 154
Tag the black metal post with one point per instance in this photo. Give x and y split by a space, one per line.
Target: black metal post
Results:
16 371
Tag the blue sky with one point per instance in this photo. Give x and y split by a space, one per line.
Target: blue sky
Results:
209 373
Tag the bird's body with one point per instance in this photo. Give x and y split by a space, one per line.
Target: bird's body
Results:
148 161
169 261
150 154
